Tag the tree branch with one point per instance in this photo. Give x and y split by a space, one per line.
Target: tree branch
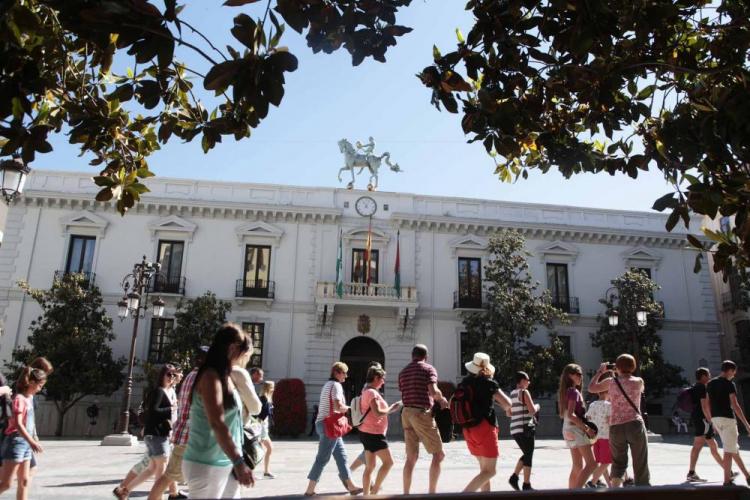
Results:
174 39
204 38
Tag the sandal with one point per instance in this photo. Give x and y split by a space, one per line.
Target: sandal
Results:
313 494
356 491
121 493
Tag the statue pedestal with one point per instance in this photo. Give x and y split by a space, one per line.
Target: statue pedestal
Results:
125 439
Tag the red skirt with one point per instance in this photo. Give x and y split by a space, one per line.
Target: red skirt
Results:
482 440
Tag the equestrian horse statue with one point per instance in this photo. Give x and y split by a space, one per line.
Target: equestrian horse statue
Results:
363 158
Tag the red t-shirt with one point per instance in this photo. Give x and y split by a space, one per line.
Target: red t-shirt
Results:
20 410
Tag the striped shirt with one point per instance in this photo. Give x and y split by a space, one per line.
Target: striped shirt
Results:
331 389
519 413
181 428
413 382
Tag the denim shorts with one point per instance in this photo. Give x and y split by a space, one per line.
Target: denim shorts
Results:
16 449
157 446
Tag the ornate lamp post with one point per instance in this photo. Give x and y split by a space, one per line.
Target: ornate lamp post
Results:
135 303
13 173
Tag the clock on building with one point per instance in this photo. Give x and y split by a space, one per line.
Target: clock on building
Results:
366 206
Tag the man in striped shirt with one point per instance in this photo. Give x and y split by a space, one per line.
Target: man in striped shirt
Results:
419 390
180 434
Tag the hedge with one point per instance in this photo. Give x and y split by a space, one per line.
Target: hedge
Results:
289 407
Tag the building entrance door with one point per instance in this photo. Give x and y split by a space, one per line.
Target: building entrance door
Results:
358 353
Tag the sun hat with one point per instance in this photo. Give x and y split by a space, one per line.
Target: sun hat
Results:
481 360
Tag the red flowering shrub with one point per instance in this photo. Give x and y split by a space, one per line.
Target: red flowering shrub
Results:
447 388
289 407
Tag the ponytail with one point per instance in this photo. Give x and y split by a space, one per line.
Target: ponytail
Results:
28 376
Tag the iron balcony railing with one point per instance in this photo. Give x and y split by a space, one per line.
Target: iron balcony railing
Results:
261 289
469 301
163 283
88 277
566 303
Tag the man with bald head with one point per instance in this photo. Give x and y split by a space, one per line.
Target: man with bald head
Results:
419 391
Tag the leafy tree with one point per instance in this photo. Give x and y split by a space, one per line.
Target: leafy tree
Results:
634 292
616 87
196 322
515 309
73 332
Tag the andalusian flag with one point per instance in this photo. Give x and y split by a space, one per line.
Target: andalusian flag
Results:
340 267
397 267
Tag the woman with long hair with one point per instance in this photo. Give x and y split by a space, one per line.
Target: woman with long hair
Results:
576 433
213 463
331 400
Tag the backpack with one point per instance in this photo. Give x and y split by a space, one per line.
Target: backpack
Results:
685 400
462 407
357 416
443 422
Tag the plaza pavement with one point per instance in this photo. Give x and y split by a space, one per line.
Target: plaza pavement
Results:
81 469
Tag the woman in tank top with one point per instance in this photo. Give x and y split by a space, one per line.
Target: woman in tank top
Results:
523 428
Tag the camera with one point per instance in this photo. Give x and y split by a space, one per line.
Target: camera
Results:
610 366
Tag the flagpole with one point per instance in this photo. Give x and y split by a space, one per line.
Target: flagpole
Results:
397 270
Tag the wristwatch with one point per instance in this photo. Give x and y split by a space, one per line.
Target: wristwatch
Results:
238 461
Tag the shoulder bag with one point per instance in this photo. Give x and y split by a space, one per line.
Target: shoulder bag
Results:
529 428
252 448
335 424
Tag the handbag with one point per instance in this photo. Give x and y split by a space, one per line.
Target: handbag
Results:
252 449
335 424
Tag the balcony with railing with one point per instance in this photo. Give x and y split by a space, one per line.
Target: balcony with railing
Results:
255 289
362 293
88 277
469 301
566 304
163 283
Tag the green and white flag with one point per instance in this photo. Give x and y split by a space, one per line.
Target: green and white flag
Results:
340 267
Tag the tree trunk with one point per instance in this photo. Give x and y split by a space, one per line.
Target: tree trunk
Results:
61 410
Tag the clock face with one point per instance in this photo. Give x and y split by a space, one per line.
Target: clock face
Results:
366 206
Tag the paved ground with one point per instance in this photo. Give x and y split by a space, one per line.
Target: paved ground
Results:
85 470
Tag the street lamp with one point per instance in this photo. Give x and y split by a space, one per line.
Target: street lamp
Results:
641 318
136 286
13 175
614 318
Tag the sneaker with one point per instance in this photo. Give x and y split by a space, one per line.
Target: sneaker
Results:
527 487
730 483
513 481
591 485
268 475
692 477
600 484
734 474
629 482
180 495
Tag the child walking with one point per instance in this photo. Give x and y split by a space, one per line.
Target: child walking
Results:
599 413
265 416
20 444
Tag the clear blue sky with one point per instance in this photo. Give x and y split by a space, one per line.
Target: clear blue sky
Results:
327 99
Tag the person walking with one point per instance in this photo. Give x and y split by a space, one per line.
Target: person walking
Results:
481 438
360 460
179 438
373 430
331 400
419 391
265 416
159 407
599 412
703 430
523 429
723 412
626 426
578 436
213 463
20 442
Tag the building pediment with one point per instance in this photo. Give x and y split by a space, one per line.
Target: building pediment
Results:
379 237
468 242
558 251
641 256
84 222
172 224
258 230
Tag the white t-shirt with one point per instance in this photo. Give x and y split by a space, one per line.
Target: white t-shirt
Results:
330 389
599 412
172 395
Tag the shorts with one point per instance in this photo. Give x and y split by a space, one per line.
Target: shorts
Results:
373 442
602 452
419 427
16 449
264 435
482 440
726 428
574 437
174 466
702 428
157 446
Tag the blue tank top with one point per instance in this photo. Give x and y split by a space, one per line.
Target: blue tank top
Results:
202 446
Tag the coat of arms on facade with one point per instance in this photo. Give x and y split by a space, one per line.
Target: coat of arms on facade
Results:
363 324
363 157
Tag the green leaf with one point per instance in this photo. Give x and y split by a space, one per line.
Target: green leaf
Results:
460 36
646 92
17 108
436 53
666 201
105 194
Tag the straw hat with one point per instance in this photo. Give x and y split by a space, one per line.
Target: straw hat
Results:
481 360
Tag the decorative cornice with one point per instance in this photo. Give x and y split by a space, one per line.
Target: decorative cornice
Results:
174 224
84 219
186 208
545 231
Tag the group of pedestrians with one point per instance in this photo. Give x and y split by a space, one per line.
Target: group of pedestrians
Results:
199 437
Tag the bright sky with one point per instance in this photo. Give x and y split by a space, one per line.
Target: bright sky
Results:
327 99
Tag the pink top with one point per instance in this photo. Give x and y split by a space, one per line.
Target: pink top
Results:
21 405
622 412
372 424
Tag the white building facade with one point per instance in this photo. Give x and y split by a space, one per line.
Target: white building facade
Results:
271 250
